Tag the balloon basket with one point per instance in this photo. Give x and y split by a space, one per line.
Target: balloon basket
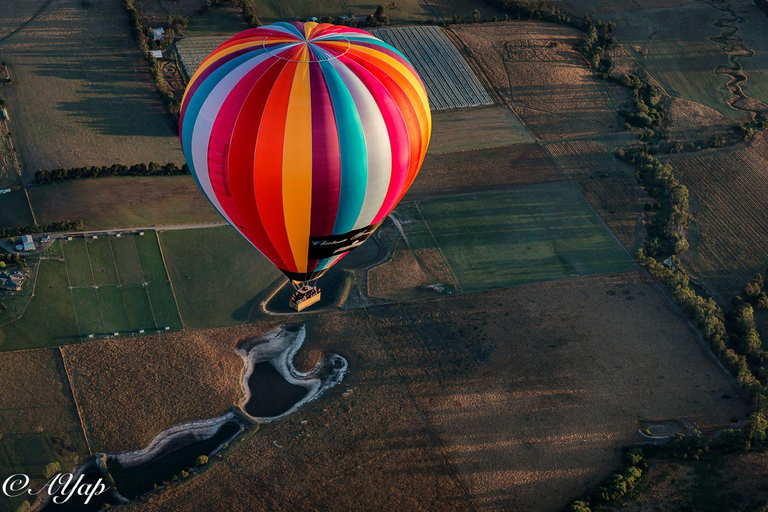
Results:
304 296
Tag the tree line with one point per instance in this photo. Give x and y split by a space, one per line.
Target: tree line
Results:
43 176
65 225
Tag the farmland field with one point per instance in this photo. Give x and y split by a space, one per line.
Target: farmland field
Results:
514 399
682 57
194 50
218 20
524 235
476 128
102 286
124 202
81 93
14 210
483 169
163 380
38 417
157 11
547 83
729 190
753 30
449 80
216 274
608 185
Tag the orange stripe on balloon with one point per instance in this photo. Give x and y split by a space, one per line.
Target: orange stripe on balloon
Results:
268 165
297 164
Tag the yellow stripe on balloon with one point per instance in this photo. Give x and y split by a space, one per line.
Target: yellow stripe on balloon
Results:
309 27
297 164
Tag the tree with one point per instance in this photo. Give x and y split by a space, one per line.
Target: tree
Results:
202 460
762 301
476 16
2 264
733 440
756 429
51 469
579 506
24 507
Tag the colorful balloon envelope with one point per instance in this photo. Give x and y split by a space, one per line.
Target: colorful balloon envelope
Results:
304 137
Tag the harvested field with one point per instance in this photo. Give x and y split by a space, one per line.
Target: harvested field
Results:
729 189
158 381
477 128
10 169
124 202
603 7
607 184
157 11
694 122
38 417
524 235
681 54
216 274
14 210
402 278
449 80
548 84
530 392
224 19
368 447
529 408
74 107
483 169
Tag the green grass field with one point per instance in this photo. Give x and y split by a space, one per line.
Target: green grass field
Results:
14 210
531 234
681 55
754 30
476 128
50 316
216 275
124 202
131 292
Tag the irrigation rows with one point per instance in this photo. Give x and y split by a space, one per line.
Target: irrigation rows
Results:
449 80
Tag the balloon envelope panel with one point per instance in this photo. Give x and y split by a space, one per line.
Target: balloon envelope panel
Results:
304 136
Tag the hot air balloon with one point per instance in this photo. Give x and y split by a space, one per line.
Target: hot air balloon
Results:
304 137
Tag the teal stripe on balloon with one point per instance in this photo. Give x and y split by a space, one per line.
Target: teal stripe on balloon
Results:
354 157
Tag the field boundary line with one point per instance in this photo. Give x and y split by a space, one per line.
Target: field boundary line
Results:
170 283
435 438
120 287
145 284
72 292
74 399
95 287
442 255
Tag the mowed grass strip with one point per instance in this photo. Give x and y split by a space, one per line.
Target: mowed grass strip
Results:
150 257
138 308
102 261
127 259
164 305
88 312
216 275
533 234
50 316
113 309
78 262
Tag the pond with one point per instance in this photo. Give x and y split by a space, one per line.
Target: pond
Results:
271 394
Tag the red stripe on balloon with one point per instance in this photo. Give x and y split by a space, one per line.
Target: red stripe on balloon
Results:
241 156
326 156
268 165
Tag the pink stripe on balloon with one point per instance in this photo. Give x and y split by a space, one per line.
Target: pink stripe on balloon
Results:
326 157
397 131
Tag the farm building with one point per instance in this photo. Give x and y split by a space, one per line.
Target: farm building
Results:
158 54
45 238
27 243
158 34
4 114
11 281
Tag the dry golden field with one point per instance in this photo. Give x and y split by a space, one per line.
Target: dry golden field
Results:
731 222
548 84
690 121
129 390
515 399
607 184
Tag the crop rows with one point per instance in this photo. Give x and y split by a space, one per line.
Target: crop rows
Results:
604 182
729 190
449 80
193 51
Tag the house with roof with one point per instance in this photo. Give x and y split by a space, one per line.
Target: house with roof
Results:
158 34
11 280
27 243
